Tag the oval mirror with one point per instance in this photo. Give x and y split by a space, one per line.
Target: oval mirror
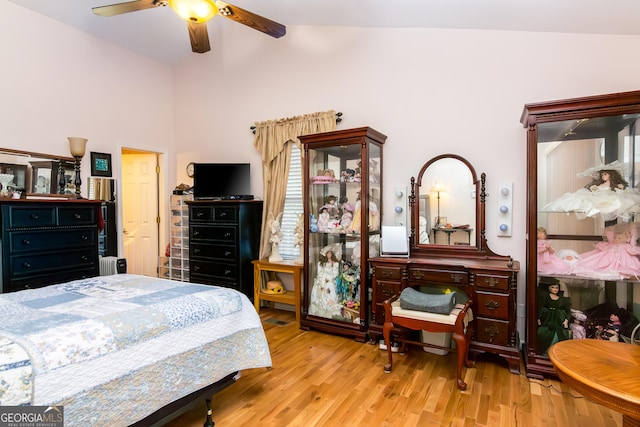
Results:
447 208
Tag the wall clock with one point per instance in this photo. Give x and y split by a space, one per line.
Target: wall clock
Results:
190 168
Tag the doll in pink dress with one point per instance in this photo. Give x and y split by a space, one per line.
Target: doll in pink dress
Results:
614 259
548 261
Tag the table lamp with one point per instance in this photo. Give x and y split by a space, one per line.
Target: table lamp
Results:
77 146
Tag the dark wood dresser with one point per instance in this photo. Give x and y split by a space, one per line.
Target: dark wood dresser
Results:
224 237
48 241
492 285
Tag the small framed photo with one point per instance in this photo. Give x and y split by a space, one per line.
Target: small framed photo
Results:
441 221
100 164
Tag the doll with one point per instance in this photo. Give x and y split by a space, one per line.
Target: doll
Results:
324 298
578 331
548 262
608 195
332 208
554 312
323 220
347 217
614 259
610 332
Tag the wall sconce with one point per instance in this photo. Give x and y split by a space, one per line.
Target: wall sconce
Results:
77 147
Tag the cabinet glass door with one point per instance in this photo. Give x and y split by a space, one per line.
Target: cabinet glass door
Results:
343 190
584 279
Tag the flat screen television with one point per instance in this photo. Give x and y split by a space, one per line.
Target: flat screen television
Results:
222 181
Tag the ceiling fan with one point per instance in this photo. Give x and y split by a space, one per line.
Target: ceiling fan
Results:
197 13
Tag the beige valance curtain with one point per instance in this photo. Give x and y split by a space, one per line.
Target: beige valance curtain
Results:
273 140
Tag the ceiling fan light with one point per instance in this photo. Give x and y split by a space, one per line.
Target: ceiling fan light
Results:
194 10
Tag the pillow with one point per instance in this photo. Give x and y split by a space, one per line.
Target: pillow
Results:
439 303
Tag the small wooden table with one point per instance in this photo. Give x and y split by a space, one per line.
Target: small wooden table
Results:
289 297
606 372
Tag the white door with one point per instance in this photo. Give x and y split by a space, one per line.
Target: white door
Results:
140 213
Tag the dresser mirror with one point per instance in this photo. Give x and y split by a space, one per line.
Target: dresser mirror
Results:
25 173
447 209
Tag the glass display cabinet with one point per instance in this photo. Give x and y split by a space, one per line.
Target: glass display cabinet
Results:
583 222
342 196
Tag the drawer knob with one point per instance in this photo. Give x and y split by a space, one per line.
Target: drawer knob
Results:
387 292
77 216
492 305
456 277
196 233
84 237
35 216
84 258
196 268
199 214
196 250
227 234
26 265
227 253
223 214
491 331
491 282
26 242
418 274
386 274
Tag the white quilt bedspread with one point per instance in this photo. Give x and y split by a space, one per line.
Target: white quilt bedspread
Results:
113 349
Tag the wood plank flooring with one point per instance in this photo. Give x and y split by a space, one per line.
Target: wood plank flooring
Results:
319 379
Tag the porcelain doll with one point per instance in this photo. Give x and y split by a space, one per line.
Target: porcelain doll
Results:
610 332
554 312
548 262
578 331
608 195
614 259
331 206
324 298
323 220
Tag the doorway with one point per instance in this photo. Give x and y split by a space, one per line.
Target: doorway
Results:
140 184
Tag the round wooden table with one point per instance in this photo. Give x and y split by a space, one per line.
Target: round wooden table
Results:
606 372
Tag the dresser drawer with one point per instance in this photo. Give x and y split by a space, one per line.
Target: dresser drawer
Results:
490 331
209 280
426 275
201 214
38 281
225 214
22 265
24 216
388 273
76 216
215 269
492 281
492 305
218 233
33 241
223 252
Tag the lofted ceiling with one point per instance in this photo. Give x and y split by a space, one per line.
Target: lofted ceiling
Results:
160 34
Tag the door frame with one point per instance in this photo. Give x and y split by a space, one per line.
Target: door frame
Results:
162 229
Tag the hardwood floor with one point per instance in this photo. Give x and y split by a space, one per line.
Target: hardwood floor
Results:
319 379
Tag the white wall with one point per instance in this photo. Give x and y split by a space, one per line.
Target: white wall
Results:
56 81
430 91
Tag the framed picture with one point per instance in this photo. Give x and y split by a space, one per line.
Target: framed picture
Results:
100 164
441 221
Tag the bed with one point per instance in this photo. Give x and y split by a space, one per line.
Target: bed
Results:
113 350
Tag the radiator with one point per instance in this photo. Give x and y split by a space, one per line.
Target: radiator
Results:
112 265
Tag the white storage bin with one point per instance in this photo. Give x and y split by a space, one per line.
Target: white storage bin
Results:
436 338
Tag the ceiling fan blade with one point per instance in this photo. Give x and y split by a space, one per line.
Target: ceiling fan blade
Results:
252 20
130 6
199 37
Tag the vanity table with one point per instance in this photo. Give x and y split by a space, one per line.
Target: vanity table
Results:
489 279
